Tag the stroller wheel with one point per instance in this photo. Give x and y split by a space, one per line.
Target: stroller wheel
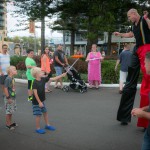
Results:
81 91
65 88
85 90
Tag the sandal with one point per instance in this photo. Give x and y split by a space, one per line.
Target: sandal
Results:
47 91
51 128
56 86
40 131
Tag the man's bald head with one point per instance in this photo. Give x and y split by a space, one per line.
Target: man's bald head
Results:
133 15
132 11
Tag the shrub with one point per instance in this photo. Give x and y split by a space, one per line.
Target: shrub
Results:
108 73
14 60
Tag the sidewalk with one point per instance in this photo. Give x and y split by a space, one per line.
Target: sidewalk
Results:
66 83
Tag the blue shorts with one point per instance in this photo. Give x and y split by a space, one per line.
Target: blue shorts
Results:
58 70
38 111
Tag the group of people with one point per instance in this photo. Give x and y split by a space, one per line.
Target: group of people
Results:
39 81
40 78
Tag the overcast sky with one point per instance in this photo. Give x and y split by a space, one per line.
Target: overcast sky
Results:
11 25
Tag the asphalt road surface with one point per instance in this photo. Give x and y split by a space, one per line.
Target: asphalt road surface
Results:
83 121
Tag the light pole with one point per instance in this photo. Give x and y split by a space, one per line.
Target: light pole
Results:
35 48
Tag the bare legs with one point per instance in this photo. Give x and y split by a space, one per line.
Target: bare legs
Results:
38 119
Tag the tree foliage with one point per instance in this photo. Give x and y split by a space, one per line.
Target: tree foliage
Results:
35 10
94 16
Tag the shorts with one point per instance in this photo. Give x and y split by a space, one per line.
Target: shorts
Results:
10 108
30 84
2 79
38 111
123 76
58 70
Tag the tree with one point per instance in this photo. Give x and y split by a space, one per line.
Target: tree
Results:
69 13
94 16
35 10
26 42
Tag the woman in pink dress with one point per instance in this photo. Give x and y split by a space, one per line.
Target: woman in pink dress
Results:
94 59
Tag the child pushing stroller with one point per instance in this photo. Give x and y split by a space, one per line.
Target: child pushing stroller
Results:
76 83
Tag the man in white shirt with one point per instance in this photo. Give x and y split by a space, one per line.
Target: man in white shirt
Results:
4 63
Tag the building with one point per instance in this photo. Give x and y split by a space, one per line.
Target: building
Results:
81 42
3 22
3 19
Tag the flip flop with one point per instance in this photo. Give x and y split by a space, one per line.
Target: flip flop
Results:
47 91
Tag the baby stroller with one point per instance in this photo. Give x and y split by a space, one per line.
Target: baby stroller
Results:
76 83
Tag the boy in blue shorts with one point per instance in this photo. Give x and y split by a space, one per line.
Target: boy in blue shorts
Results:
38 104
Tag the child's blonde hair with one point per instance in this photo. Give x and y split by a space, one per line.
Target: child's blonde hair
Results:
35 71
9 69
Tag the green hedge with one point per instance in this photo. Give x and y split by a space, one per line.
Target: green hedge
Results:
108 73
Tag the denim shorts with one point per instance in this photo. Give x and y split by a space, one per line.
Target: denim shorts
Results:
38 111
146 141
58 70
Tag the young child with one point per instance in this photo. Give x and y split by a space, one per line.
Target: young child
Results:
39 107
10 97
145 111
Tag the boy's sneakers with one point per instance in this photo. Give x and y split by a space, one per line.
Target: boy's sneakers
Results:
40 131
12 126
51 128
30 98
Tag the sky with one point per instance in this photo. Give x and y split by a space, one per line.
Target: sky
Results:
11 25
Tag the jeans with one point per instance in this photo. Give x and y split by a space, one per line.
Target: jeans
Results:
146 141
58 70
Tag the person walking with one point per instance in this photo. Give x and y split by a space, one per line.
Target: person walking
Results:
124 61
94 59
30 63
60 60
45 66
4 63
141 31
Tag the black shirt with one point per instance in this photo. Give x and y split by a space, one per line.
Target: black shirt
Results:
40 87
61 56
138 35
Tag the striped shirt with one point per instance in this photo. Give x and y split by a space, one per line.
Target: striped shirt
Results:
4 62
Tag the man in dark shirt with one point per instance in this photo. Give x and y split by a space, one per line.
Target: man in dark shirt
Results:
145 111
59 61
141 32
124 61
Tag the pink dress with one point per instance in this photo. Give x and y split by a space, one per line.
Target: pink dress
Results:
94 68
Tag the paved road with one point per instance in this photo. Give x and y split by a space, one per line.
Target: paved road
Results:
83 121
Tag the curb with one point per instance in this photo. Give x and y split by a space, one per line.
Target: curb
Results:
67 83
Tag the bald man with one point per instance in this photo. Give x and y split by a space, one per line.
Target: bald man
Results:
141 31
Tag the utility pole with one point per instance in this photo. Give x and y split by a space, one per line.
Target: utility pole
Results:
35 48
